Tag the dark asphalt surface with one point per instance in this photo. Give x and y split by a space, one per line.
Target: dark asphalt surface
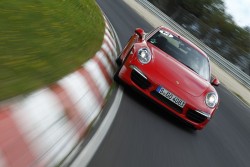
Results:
144 135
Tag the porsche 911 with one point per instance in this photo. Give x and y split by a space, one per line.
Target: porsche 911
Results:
172 71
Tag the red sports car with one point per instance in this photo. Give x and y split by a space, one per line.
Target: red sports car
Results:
172 71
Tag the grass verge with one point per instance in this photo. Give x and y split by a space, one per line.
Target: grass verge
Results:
44 40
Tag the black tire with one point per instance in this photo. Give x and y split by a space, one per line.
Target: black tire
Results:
192 127
120 64
116 76
118 61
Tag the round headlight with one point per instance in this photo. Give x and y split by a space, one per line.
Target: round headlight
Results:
211 99
144 56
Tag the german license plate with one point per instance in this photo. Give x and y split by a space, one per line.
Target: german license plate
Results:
170 96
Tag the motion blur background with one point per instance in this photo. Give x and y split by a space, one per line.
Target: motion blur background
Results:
42 41
211 22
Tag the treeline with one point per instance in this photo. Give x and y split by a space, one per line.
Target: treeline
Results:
208 21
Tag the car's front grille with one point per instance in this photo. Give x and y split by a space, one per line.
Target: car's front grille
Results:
166 101
195 116
139 80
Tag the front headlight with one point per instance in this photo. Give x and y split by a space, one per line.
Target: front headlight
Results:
211 99
144 56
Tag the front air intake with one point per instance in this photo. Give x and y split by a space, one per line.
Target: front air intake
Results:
195 116
139 79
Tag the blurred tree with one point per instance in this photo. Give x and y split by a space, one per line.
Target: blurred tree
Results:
208 21
202 8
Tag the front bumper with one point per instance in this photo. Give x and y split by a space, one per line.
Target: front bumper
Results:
133 76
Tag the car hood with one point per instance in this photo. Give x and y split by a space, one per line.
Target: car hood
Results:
169 70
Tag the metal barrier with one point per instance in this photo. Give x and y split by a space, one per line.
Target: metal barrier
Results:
239 75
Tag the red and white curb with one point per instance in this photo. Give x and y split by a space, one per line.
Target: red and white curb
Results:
85 156
42 128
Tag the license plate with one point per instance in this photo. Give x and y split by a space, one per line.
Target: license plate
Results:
170 96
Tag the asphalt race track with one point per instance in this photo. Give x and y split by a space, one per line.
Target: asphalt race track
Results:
144 135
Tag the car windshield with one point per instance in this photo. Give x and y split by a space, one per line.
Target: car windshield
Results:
182 52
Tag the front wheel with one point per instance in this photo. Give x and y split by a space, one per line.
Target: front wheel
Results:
116 75
118 60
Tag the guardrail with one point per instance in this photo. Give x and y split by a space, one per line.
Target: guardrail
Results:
239 75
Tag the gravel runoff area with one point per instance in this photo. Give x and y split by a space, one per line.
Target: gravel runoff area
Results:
226 79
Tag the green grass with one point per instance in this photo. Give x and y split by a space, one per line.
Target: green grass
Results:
43 40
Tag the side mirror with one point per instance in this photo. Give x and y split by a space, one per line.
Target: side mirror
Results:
140 32
215 82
